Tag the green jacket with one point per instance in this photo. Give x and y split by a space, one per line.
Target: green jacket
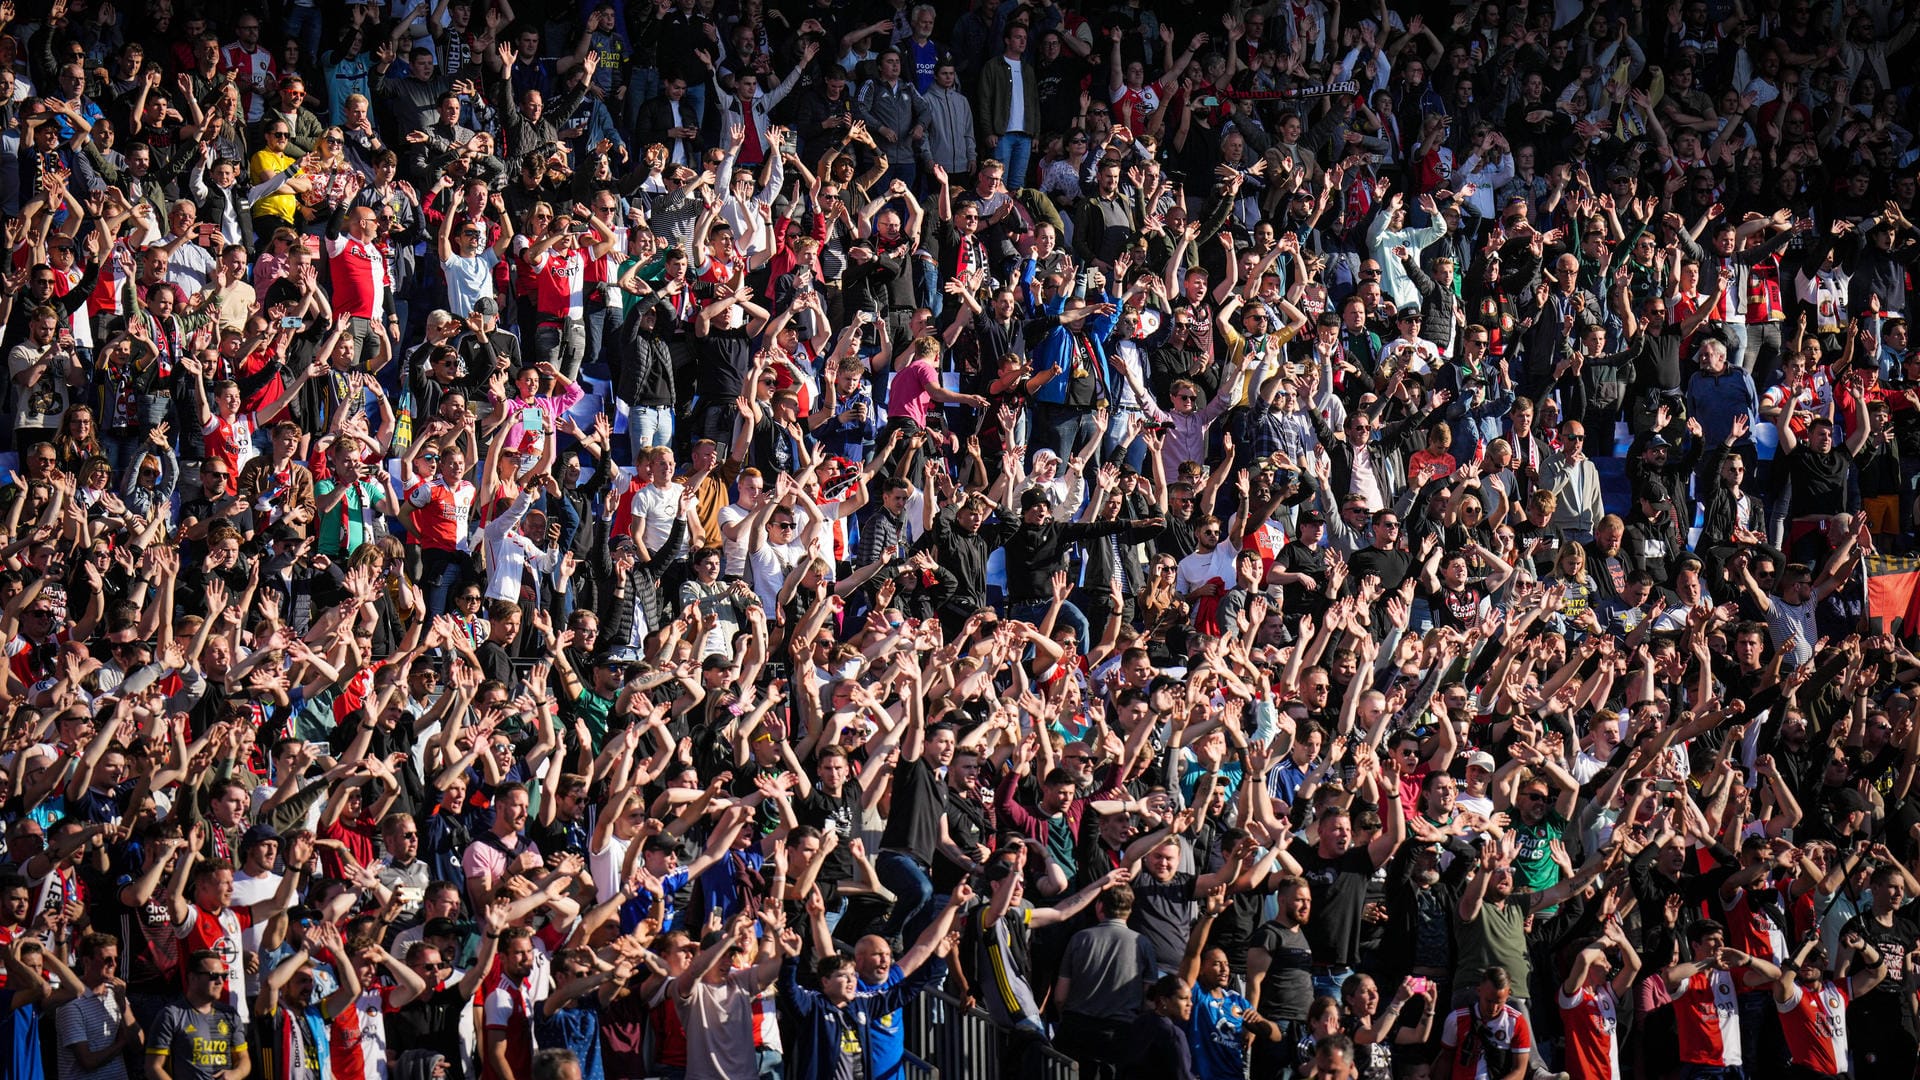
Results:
996 100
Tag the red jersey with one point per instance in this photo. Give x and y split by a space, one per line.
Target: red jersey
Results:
1752 929
1484 1049
507 1015
558 278
1707 1011
254 72
219 931
231 441
441 513
359 275
1814 1020
1592 1025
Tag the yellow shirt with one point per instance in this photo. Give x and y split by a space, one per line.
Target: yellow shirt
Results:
1259 371
282 203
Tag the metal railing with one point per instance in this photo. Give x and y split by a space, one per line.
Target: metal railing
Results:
962 1043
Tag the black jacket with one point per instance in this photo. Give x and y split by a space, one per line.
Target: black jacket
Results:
1034 552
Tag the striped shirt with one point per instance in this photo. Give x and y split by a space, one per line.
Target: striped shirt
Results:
92 1018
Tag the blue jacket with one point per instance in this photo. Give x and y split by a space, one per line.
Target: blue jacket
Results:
1716 399
822 1025
1056 352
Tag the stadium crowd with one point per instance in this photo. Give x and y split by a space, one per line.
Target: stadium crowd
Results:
664 538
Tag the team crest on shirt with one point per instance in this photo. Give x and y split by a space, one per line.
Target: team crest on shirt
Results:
1234 1011
220 1028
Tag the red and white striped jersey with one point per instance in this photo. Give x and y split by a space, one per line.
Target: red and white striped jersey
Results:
1708 1013
1814 1020
1592 1027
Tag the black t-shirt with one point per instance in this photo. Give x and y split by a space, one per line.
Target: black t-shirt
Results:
1550 540
431 1022
1390 566
1298 558
725 358
1339 901
1162 912
919 799
1893 942
1819 480
1233 929
968 827
1286 993
839 815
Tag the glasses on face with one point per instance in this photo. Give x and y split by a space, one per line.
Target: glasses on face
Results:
41 613
1386 525
470 598
782 525
278 134
1574 437
1186 397
216 976
1535 796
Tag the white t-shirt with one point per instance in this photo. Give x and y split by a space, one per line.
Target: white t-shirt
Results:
770 567
605 866
468 279
733 553
1017 102
1201 567
248 891
658 505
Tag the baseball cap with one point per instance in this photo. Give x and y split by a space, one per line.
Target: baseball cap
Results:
486 305
1480 758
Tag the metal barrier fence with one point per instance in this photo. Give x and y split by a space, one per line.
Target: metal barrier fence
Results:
912 1068
962 1043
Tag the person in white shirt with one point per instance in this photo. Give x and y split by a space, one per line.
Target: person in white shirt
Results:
1209 570
777 542
752 488
511 549
656 505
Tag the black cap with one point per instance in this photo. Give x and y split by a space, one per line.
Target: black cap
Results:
1033 497
441 928
1406 310
1654 491
486 305
1312 517
257 835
